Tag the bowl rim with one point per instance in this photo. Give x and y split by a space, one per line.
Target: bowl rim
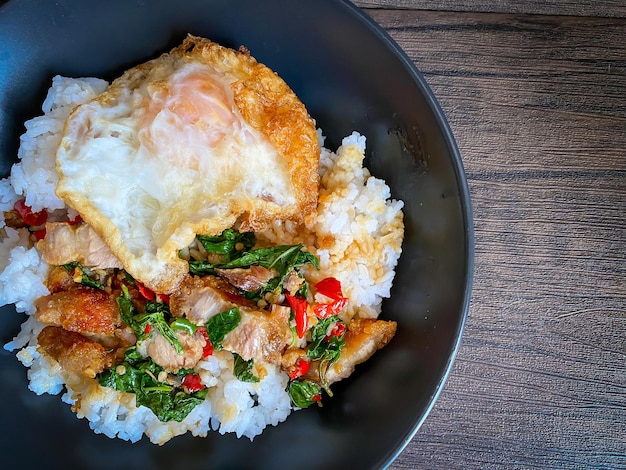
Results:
464 198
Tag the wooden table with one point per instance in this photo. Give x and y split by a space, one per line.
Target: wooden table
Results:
535 93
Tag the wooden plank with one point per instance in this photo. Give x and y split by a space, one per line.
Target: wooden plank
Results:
531 95
538 107
606 8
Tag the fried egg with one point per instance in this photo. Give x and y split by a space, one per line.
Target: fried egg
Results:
201 139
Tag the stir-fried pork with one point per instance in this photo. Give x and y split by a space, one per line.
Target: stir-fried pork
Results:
75 353
80 309
261 335
292 282
200 298
164 354
364 337
248 279
12 219
59 280
65 243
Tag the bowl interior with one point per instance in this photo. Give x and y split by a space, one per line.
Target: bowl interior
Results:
350 76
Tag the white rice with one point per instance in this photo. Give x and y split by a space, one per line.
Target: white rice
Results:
358 231
357 236
35 176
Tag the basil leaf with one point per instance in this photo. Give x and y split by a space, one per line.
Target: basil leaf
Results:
323 348
243 369
303 393
173 405
85 280
182 324
281 258
126 307
226 243
155 315
183 372
139 377
201 267
220 325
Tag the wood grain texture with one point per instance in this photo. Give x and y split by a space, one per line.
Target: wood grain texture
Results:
538 107
606 8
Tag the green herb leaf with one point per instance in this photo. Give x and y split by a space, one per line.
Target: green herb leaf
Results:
281 258
172 405
86 274
303 393
220 325
227 242
138 376
323 348
126 307
182 324
155 315
243 369
183 372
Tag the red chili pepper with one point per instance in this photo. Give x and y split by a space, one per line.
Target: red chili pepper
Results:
146 330
40 234
298 305
164 298
337 330
77 220
192 383
28 216
150 295
330 287
208 347
145 292
328 310
317 397
299 369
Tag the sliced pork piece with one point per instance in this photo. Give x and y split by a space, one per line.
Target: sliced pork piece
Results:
13 219
75 353
364 337
59 280
164 354
200 298
261 335
292 282
248 279
65 243
80 309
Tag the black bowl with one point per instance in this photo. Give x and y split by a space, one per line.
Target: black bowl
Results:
351 76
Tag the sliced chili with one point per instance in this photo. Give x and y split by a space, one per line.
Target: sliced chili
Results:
298 305
28 216
164 298
208 349
338 330
145 292
76 220
330 287
328 310
40 234
299 369
192 383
